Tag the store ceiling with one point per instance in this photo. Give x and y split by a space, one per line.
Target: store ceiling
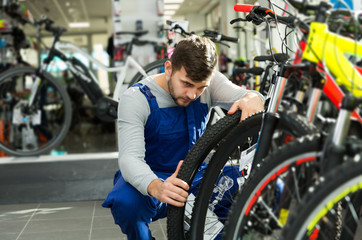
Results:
192 6
63 12
96 12
202 6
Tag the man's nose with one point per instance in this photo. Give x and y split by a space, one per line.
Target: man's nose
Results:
191 94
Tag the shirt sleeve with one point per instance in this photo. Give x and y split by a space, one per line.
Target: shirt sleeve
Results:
224 93
133 111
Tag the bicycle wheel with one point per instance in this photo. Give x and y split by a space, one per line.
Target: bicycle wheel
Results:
225 174
151 69
200 153
232 161
261 207
316 215
36 129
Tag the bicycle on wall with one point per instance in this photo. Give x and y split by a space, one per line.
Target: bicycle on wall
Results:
36 110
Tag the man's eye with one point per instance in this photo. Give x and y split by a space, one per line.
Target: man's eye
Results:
187 84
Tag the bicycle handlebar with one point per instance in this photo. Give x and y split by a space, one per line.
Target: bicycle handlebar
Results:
256 14
254 71
245 8
278 57
48 26
177 26
304 7
218 37
137 33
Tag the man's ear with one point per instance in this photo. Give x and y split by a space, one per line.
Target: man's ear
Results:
168 69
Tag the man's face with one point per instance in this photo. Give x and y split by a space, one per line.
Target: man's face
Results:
183 90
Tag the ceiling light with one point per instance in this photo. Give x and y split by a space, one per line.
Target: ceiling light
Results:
173 1
171 7
169 12
79 24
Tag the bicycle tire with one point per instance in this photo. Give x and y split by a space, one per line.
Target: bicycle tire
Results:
222 160
49 118
248 216
337 187
151 69
203 146
242 138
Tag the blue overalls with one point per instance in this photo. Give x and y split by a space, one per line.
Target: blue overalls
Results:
169 135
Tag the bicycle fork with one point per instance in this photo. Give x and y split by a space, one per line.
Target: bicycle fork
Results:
335 147
270 117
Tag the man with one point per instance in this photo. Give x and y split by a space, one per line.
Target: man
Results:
159 120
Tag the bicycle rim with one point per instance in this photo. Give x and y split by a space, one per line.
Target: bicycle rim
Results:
341 187
31 130
274 188
232 161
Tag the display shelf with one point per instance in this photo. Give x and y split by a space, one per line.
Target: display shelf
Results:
73 177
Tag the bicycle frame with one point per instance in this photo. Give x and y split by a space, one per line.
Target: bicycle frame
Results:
331 53
82 74
270 123
329 48
63 47
334 59
349 76
330 89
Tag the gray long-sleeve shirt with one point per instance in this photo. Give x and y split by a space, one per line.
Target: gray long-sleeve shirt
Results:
133 111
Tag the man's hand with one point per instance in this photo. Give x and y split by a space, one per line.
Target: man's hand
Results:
173 190
249 104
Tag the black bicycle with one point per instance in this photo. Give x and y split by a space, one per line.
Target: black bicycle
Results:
36 109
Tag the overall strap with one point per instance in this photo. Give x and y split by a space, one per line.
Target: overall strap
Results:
191 123
149 96
196 120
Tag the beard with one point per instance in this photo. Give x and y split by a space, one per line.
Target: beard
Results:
180 101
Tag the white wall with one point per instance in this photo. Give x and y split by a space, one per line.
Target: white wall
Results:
146 11
357 4
228 14
196 22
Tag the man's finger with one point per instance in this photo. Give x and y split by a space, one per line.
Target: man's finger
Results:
178 168
233 108
174 203
177 197
178 183
244 115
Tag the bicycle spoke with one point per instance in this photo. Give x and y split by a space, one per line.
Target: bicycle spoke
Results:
260 200
252 213
352 209
296 184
